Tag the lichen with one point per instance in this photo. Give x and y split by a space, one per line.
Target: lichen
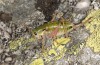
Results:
58 48
93 40
52 51
60 41
14 44
37 62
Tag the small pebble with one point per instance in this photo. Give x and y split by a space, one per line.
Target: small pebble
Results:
7 50
18 52
8 59
1 51
9 30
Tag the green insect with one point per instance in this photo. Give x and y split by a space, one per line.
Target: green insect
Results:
50 26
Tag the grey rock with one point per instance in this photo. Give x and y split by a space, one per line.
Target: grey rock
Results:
2 25
82 6
18 52
24 11
9 30
96 5
1 50
79 35
80 10
27 35
88 57
6 35
8 59
7 50
61 62
78 18
59 14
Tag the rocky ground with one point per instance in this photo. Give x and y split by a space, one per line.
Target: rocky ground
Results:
18 19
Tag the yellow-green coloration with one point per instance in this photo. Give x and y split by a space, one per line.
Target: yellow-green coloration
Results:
58 46
50 26
94 27
52 51
60 41
61 52
13 45
93 40
37 62
58 50
39 30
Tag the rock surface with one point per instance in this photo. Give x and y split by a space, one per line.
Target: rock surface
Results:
19 45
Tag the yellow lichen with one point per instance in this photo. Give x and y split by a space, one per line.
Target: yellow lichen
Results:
58 50
59 47
61 53
60 41
93 40
52 51
14 44
37 62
